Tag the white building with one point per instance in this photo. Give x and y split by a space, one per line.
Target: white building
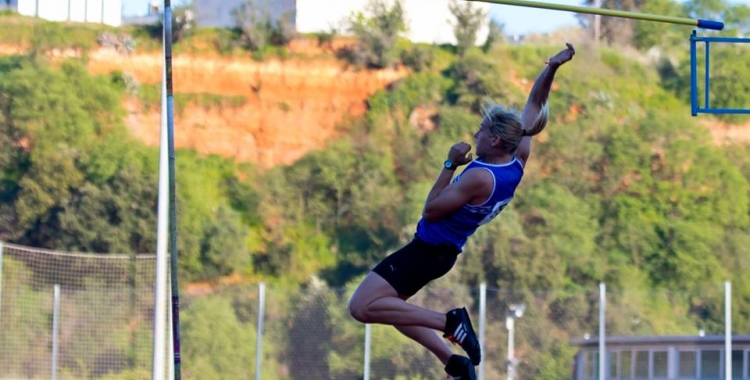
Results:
428 20
96 11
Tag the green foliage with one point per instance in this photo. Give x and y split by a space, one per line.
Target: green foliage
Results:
183 24
495 35
377 30
727 90
66 142
41 37
211 237
467 24
687 180
615 30
217 341
418 57
259 28
476 81
661 35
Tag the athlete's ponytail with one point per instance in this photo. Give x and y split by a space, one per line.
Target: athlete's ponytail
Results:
507 125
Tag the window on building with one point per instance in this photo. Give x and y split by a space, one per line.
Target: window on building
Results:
626 365
688 365
590 365
641 365
614 362
738 364
710 364
660 364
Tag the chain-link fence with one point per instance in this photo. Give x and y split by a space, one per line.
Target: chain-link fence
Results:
81 316
94 312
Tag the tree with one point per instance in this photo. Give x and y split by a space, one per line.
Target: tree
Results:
223 346
469 20
376 29
660 35
615 30
495 35
183 24
68 148
261 24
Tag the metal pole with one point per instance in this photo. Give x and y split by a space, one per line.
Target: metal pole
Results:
706 77
368 342
170 343
55 329
728 330
162 239
693 76
482 322
602 330
510 324
259 338
597 23
173 255
700 23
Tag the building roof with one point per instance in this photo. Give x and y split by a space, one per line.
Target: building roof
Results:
650 341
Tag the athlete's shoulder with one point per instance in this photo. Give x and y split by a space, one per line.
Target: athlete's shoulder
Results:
476 173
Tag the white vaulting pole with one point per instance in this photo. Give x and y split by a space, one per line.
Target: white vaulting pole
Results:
162 235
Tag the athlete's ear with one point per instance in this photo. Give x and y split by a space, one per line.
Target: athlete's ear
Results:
495 141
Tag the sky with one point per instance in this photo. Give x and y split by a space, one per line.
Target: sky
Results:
517 20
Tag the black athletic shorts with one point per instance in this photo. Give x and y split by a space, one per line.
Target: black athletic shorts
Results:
416 264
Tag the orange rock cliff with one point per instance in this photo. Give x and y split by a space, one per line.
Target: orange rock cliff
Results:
292 106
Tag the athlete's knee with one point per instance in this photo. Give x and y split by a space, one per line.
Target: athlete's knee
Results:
358 309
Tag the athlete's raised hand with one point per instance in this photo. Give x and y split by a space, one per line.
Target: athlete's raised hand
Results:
563 56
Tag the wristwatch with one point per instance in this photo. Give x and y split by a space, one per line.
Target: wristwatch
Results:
448 164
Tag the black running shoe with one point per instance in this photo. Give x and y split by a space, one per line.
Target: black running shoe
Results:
459 331
460 368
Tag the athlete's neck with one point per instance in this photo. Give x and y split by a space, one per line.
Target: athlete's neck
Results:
497 160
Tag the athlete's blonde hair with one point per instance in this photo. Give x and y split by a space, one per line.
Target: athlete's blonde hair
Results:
507 125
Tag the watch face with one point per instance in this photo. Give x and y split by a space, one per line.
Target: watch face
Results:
448 165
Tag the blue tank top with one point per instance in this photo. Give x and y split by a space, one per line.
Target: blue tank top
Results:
462 223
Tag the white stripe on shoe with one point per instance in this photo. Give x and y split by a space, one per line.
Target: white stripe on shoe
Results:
460 333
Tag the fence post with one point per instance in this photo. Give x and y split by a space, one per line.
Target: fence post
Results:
368 343
602 331
728 330
482 323
170 322
55 329
259 338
